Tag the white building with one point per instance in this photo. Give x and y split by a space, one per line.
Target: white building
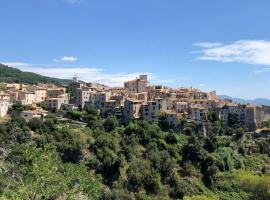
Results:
3 108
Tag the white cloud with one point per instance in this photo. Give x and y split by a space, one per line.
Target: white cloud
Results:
68 59
88 74
242 51
16 64
207 44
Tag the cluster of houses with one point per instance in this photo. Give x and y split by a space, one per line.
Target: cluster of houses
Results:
32 95
140 100
136 100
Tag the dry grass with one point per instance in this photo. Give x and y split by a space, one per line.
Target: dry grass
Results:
4 119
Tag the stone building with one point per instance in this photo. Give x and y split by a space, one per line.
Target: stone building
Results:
138 85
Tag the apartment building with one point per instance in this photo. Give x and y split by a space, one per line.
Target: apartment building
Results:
132 109
198 114
82 96
40 94
247 116
150 110
181 107
100 98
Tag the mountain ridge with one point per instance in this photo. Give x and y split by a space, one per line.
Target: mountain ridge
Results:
256 101
11 75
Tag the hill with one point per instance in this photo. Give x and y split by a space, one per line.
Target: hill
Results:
110 160
11 75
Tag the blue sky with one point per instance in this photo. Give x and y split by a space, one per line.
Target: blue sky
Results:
209 44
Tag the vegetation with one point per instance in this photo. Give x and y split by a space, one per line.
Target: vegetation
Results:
13 75
109 160
266 124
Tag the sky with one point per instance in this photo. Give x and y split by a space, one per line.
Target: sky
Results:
208 44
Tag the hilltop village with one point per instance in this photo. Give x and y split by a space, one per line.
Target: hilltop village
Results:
139 141
138 99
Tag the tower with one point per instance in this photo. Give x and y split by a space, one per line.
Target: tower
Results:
75 78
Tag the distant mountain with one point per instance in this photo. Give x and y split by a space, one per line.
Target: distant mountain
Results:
257 101
11 75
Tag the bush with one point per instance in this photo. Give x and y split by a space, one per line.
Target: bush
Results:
35 123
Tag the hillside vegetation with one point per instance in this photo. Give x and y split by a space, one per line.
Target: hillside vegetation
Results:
13 75
108 160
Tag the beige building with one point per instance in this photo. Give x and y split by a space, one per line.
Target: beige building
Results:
4 96
3 108
55 92
15 86
205 103
55 103
26 97
212 95
40 94
140 96
30 114
137 86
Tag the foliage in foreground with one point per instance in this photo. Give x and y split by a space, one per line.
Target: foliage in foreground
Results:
112 161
